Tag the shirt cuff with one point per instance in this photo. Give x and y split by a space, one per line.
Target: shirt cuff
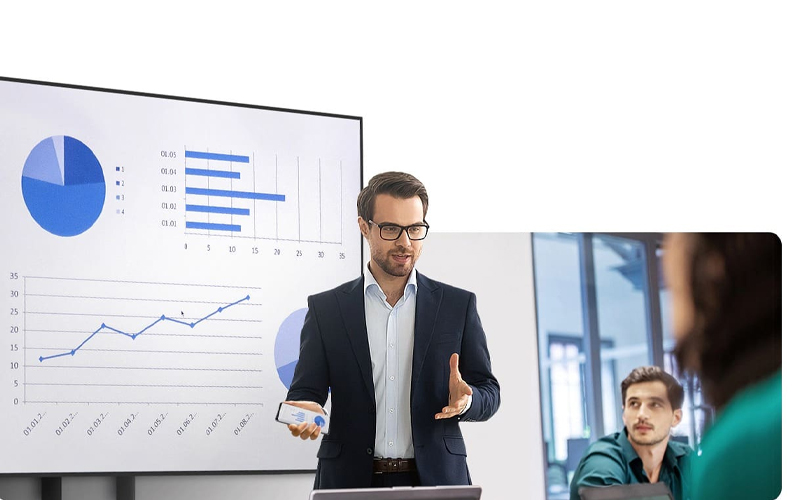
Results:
469 403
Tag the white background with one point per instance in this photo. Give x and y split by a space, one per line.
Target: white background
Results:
569 116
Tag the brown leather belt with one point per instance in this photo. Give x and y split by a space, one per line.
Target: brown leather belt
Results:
389 465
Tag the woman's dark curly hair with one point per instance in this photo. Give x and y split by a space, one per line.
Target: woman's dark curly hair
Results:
735 282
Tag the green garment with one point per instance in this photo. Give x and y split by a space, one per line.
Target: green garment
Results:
740 455
612 460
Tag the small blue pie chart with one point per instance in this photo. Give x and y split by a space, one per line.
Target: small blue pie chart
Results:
287 345
63 185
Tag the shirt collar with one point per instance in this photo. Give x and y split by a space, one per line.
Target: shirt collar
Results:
370 281
671 454
627 448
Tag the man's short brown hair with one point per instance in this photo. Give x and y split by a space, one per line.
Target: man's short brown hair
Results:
655 374
396 184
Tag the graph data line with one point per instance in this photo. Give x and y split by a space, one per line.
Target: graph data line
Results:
110 328
148 326
69 353
213 227
236 194
87 339
202 155
179 322
133 336
202 172
209 209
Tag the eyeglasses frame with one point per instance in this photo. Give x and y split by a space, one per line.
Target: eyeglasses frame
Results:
402 228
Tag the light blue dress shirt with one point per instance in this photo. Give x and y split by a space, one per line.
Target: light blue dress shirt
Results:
390 331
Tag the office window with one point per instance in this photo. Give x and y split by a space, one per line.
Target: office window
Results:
619 276
561 363
602 310
566 389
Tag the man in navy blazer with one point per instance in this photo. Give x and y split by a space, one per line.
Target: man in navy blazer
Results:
404 356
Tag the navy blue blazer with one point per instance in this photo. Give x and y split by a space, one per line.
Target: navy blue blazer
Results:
334 352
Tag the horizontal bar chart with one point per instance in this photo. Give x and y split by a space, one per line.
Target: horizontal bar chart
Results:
228 194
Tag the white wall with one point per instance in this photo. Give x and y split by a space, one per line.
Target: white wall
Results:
504 454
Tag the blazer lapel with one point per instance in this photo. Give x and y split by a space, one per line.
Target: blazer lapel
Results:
429 297
351 305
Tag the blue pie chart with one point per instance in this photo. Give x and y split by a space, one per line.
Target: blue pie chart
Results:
63 185
287 345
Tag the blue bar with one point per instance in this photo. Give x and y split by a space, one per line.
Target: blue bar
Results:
217 156
236 194
216 227
212 173
217 210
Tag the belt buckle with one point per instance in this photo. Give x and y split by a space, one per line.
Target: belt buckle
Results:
389 465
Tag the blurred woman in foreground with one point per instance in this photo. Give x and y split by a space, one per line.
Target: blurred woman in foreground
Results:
726 290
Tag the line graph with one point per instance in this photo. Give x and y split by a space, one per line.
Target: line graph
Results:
133 336
190 346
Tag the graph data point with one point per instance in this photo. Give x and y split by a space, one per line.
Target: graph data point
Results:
41 359
247 298
133 337
219 309
163 317
191 325
102 325
72 352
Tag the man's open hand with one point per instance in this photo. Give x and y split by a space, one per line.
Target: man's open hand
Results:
460 392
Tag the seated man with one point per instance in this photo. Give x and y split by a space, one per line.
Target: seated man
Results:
642 452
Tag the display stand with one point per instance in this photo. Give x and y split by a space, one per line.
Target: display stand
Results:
51 488
126 487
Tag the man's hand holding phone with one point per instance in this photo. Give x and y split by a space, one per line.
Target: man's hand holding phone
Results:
304 430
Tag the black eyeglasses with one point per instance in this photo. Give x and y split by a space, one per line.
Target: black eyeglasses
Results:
391 232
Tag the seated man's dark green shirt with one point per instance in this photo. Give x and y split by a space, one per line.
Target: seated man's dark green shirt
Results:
612 460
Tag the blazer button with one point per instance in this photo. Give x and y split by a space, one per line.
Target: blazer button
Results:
369 451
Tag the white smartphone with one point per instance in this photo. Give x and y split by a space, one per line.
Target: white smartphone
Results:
288 414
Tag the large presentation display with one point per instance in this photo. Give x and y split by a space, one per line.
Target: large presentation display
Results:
156 260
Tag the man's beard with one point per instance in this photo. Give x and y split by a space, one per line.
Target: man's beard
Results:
649 442
391 268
